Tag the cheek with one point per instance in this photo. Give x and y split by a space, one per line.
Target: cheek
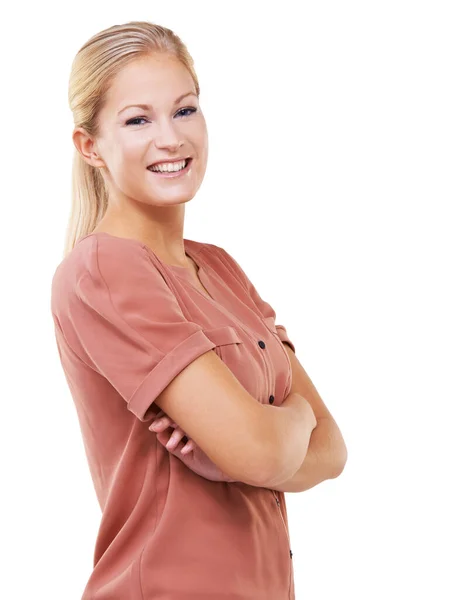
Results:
201 145
197 134
204 135
133 149
128 156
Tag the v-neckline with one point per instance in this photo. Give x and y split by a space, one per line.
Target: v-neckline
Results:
185 273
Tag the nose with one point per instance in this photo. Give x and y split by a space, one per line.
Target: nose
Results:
168 136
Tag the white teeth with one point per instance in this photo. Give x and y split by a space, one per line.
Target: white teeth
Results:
169 167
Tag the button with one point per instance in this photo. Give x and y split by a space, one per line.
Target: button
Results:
271 399
261 343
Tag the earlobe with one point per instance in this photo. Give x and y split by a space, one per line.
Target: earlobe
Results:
85 145
95 161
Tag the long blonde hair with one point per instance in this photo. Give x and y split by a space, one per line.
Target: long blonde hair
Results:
95 65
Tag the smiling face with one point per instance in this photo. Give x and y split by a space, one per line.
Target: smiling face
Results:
169 125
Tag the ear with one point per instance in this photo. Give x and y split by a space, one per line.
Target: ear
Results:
86 146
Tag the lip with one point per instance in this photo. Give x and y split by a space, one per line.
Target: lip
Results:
166 160
172 173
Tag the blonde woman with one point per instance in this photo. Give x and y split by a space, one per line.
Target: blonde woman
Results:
196 415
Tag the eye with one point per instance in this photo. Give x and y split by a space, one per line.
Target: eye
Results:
136 119
131 121
193 110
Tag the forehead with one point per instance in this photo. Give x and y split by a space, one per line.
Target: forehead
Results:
154 80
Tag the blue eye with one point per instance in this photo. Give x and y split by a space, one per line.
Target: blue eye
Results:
132 121
193 110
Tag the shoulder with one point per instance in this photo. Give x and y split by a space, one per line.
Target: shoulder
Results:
99 261
212 253
222 261
228 260
209 250
95 252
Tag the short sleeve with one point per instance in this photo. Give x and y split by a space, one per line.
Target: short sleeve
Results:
263 306
122 319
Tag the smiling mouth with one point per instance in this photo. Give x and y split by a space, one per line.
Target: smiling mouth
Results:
187 162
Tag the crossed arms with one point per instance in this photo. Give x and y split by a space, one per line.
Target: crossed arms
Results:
327 453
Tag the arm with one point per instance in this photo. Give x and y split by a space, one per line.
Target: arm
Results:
249 442
321 461
327 453
324 458
283 455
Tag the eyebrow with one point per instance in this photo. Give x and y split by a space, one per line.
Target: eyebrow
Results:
148 106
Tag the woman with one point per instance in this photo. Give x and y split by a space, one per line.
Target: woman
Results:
149 324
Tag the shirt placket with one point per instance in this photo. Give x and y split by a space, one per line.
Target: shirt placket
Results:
270 378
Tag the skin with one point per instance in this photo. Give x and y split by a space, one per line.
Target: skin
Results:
161 424
141 205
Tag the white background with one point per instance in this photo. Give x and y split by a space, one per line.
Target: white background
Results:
333 178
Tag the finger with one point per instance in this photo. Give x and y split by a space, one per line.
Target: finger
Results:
175 438
160 424
159 415
167 419
163 438
189 447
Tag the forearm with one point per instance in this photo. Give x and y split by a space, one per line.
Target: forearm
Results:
286 435
325 459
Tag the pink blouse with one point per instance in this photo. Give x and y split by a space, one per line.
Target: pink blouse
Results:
126 324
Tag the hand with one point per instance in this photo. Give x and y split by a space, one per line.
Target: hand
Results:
188 452
162 422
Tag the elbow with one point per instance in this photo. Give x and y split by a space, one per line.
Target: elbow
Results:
340 462
278 458
274 469
262 467
252 472
263 457
265 475
251 459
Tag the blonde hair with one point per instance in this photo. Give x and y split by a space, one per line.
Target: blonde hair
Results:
95 65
